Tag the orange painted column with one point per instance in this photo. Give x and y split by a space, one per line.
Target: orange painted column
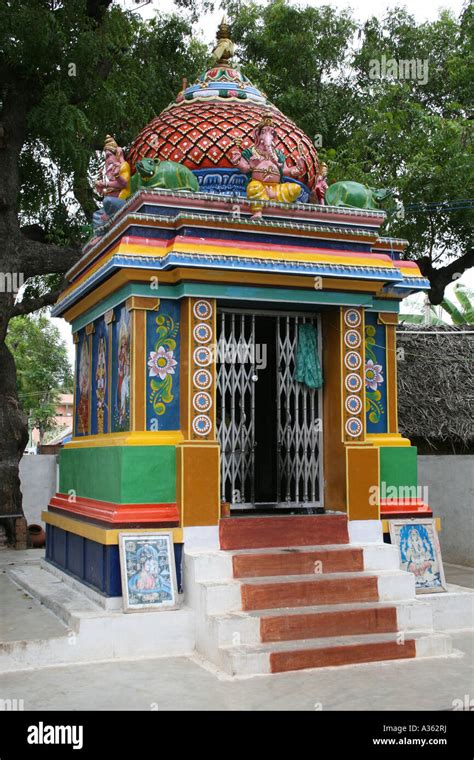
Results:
198 457
351 464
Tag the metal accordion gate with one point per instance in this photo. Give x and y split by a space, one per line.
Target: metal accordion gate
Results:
269 426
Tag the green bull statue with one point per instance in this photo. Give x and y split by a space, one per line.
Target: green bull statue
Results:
355 195
153 173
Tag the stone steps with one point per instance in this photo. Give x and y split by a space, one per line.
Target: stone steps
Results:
289 593
279 657
304 590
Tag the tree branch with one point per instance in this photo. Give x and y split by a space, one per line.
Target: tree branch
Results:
33 304
441 277
36 258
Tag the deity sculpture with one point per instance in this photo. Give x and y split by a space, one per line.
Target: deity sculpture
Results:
320 186
266 166
114 186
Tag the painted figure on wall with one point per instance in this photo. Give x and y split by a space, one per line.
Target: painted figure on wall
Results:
122 395
265 167
114 185
101 382
83 388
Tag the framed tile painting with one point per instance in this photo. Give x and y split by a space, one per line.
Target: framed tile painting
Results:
148 571
420 552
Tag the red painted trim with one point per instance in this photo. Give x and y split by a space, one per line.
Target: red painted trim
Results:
109 512
275 247
406 507
288 213
282 531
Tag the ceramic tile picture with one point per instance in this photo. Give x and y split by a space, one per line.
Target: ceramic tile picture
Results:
148 571
420 552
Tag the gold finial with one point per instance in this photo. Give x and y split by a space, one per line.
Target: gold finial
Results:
225 48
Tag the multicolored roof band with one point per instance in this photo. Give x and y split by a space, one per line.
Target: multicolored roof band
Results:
218 242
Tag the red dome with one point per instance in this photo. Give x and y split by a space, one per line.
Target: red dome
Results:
199 130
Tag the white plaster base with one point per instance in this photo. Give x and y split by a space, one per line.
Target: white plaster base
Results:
365 531
204 537
91 633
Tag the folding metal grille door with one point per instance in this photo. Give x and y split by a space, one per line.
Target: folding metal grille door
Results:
288 421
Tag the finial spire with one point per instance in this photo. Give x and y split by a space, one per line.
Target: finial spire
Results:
225 48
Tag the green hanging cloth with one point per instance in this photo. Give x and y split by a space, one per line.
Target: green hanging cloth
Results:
308 367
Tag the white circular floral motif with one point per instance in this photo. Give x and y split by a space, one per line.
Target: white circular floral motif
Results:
352 339
352 360
352 318
202 401
202 356
202 333
202 310
202 379
353 382
353 404
353 427
202 424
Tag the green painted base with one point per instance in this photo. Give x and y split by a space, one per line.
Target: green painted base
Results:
398 468
121 474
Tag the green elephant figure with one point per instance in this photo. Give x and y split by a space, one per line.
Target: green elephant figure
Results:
355 195
151 173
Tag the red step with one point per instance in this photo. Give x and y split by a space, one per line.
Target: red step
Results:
341 655
283 531
310 591
322 624
297 562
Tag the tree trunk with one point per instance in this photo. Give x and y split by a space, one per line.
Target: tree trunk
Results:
13 427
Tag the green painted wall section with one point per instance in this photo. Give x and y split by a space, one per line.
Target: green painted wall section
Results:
398 466
121 474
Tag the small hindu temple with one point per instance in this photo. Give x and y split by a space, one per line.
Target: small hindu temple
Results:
234 315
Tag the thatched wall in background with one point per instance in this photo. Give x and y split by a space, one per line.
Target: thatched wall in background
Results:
436 387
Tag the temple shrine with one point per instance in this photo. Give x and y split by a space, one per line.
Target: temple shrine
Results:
236 379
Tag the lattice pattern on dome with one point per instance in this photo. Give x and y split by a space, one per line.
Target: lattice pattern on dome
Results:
201 135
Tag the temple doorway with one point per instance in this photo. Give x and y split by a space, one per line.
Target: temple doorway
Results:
269 426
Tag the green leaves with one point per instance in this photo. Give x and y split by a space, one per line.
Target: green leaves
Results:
42 366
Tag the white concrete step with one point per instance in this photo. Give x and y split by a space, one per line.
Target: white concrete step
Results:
68 605
94 634
216 565
236 628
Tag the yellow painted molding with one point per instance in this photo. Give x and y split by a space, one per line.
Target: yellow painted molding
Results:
105 536
387 439
109 316
387 318
145 303
139 438
90 328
